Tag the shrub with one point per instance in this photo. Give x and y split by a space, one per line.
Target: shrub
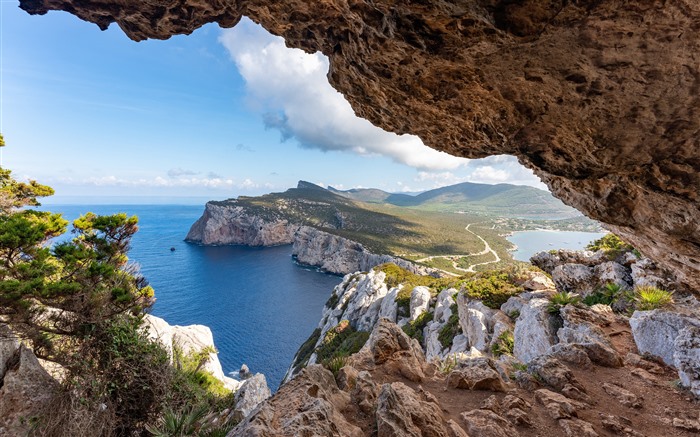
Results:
562 299
611 244
341 340
306 350
451 328
504 345
605 296
396 276
448 364
335 363
415 328
650 298
493 288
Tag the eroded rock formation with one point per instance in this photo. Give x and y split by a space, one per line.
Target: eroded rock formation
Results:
599 98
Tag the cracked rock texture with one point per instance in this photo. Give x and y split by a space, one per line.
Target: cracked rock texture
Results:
601 99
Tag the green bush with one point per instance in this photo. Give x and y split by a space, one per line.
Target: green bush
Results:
611 244
504 345
650 298
560 300
306 350
341 340
415 328
451 328
605 296
493 288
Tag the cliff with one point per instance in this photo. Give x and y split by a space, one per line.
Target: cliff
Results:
452 364
230 224
339 255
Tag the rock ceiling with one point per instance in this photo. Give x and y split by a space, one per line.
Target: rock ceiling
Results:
599 98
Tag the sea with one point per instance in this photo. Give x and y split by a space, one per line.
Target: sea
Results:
530 242
260 305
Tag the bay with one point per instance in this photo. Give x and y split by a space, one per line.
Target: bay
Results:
531 242
259 304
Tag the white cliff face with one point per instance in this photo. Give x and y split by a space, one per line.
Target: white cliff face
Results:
339 255
420 300
192 338
229 224
533 332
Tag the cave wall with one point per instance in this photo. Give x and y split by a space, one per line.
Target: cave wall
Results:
598 97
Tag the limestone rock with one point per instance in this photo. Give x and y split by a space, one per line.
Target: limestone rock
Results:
582 327
534 333
552 372
612 273
538 281
389 346
686 358
481 324
232 224
389 309
309 404
646 273
655 331
25 387
625 397
476 374
558 406
401 413
191 338
420 300
577 428
486 423
251 393
441 314
365 393
574 278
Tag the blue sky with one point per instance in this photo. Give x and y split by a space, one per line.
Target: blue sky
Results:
215 114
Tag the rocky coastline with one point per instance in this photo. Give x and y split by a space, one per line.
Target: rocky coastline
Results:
228 223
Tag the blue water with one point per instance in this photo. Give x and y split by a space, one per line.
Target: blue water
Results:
531 242
257 302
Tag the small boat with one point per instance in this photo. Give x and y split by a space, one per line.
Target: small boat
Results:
172 249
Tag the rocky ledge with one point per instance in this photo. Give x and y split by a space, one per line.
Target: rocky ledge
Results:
445 363
229 223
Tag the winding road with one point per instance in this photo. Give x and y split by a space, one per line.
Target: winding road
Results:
454 258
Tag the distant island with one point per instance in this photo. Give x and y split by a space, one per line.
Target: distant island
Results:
450 230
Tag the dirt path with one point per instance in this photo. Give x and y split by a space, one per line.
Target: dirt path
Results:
455 258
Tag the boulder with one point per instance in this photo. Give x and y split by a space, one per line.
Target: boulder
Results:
476 374
310 404
574 278
534 332
481 324
251 393
577 428
486 423
25 387
433 347
582 327
623 396
655 331
420 301
612 272
552 372
538 281
390 347
646 273
402 413
558 406
686 358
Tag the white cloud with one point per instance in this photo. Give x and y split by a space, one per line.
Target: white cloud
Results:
492 170
289 87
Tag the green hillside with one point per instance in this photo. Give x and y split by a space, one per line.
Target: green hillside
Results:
503 200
